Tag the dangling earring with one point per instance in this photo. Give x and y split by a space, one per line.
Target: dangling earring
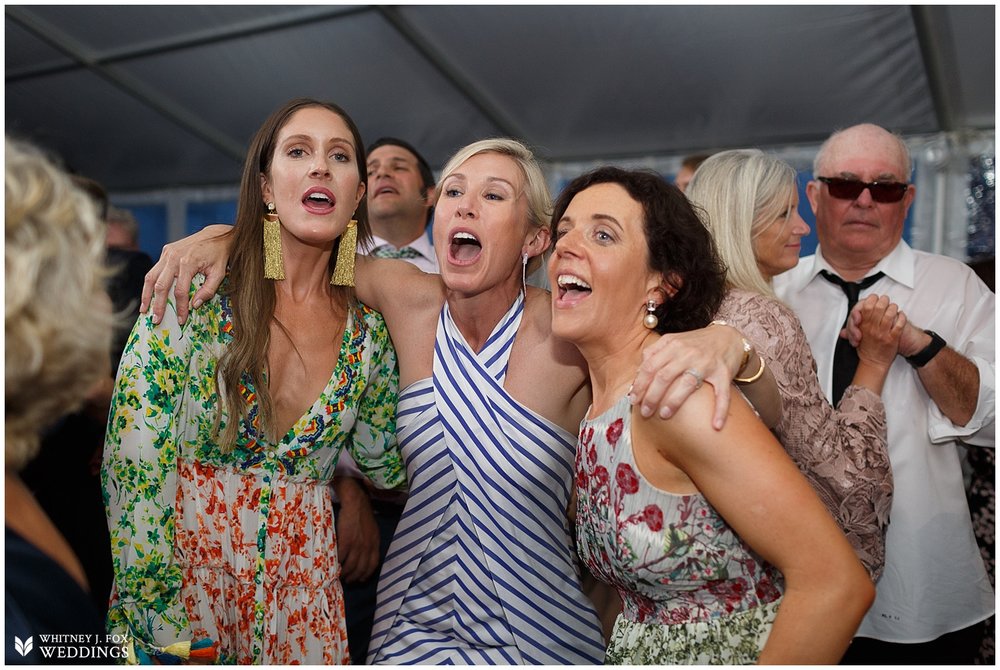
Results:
343 269
650 320
274 266
524 273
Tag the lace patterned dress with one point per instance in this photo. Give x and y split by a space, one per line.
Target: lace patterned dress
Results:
238 547
842 452
693 592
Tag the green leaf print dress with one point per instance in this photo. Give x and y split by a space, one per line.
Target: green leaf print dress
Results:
237 547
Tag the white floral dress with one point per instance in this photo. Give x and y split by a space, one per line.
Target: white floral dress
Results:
237 547
693 592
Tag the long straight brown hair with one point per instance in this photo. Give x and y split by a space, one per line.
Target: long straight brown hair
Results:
252 297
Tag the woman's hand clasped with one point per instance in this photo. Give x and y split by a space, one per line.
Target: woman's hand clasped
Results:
875 327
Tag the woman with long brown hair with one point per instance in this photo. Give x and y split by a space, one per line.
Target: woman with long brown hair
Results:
224 432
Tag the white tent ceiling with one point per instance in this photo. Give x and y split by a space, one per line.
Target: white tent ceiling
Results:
150 97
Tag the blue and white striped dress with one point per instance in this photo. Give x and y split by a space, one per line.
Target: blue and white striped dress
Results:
481 568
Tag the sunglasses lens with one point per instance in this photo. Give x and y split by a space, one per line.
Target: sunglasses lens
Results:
888 192
850 189
845 189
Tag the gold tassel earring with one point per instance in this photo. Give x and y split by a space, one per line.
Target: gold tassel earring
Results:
343 270
274 266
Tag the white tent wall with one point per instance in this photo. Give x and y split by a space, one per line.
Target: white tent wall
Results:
940 216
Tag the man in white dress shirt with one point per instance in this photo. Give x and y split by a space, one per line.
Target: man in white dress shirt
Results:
400 208
400 201
934 594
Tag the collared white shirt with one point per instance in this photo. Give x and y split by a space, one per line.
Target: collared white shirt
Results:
427 261
934 580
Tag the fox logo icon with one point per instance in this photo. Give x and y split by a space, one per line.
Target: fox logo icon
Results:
23 648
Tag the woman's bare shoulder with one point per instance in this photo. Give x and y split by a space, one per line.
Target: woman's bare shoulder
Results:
395 285
548 374
689 433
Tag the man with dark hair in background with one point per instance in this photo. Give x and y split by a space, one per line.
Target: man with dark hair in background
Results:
400 203
688 167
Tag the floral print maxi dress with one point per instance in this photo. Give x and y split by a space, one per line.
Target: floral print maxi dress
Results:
693 592
238 547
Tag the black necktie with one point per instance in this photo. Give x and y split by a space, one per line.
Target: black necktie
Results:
845 357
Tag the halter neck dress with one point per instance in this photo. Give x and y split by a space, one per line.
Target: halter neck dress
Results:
481 569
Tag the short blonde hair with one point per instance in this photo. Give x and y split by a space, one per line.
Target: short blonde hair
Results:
57 315
741 193
536 188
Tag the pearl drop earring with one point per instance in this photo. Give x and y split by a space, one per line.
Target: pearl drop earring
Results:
650 320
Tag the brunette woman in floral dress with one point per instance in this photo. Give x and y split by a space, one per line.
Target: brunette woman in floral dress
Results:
224 432
718 546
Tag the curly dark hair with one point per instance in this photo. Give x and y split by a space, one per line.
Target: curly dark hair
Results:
680 246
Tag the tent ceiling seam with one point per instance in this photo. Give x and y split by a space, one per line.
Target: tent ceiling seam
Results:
933 44
467 88
179 42
129 85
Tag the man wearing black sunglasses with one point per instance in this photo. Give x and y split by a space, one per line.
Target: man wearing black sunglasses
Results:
934 593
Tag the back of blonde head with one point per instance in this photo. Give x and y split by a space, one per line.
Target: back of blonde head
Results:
57 317
741 193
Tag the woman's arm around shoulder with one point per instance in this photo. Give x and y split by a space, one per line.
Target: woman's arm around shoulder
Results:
718 356
394 287
206 252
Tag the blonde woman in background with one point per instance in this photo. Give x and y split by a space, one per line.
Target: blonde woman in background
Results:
57 323
750 202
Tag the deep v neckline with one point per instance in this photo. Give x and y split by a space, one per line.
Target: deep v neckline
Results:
335 376
346 353
494 355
